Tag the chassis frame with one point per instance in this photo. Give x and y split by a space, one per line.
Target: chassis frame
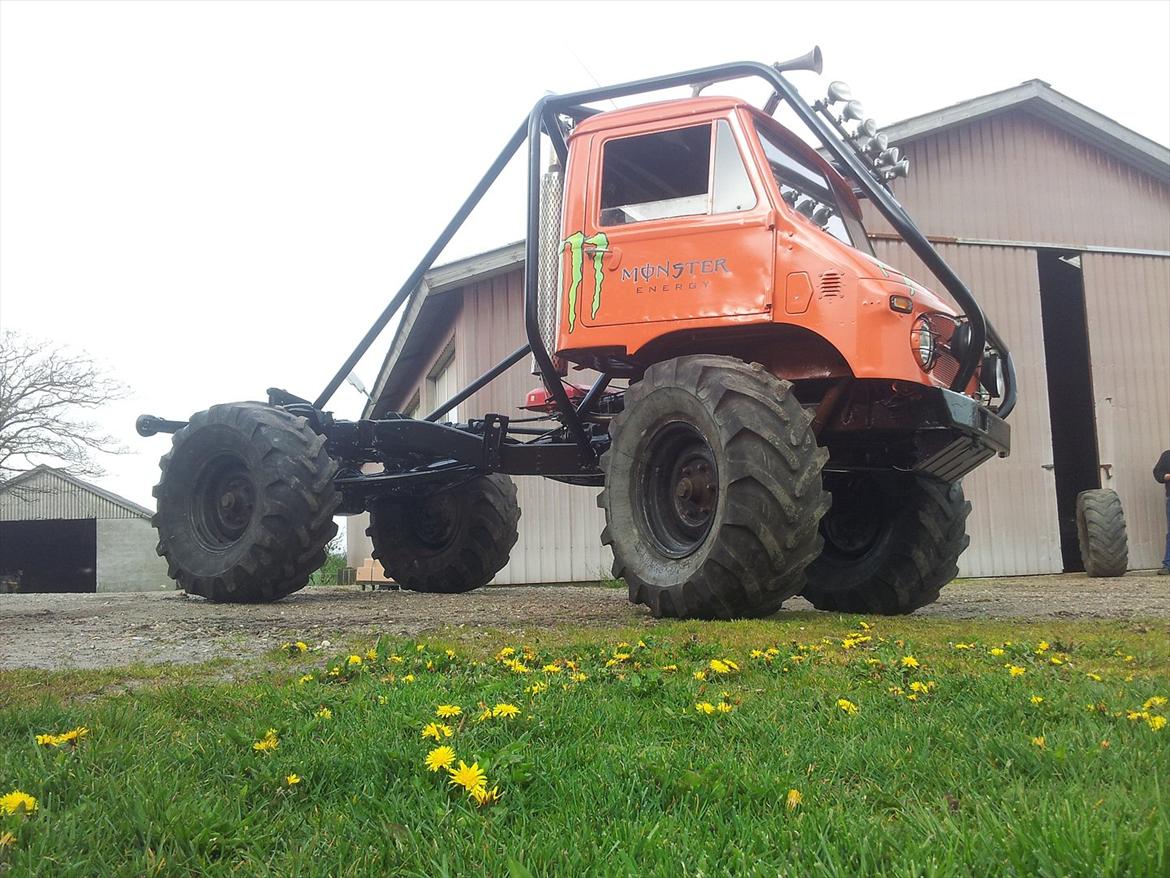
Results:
949 432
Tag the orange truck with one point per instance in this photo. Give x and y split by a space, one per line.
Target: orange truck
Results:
776 411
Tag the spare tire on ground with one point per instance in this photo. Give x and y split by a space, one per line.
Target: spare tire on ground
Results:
1101 533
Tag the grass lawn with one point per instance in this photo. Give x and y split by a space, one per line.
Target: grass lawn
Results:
812 745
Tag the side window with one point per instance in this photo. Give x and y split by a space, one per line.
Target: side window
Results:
671 174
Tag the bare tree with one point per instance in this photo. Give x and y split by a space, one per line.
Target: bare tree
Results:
44 392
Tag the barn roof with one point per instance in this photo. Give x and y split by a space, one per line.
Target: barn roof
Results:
47 492
1040 99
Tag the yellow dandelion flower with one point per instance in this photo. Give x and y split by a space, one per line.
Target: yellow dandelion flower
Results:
919 686
396 659
324 713
552 669
419 647
1042 646
579 677
793 800
772 651
537 687
353 660
1134 715
470 777
371 655
913 696
996 651
441 758
700 675
505 710
757 653
1039 742
1153 701
301 646
268 743
724 707
896 690
705 707
438 731
307 678
448 710
847 706
335 672
484 797
430 665
408 678
621 656
964 646
1129 658
1037 699
1015 670
722 666
1096 678
1056 661
908 661
1156 722
17 802
863 625
292 780
504 653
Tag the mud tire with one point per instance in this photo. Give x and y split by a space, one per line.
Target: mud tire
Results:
451 542
1101 533
919 532
761 530
279 478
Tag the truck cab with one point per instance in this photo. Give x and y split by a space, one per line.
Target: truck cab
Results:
688 218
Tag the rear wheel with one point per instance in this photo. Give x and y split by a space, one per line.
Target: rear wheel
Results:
245 503
891 544
712 490
1101 533
453 541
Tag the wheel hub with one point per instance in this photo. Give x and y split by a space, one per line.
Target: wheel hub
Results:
223 502
679 489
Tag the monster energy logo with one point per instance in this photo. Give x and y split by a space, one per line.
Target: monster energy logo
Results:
576 243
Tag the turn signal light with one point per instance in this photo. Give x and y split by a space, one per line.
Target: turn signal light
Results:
901 304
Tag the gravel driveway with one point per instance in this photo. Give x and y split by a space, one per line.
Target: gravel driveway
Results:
104 630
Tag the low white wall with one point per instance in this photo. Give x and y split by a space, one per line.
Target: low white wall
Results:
126 557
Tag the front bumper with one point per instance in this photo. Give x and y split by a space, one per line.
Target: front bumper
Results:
962 435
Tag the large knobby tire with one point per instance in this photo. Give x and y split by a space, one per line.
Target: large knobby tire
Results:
712 490
1101 533
891 544
449 542
245 503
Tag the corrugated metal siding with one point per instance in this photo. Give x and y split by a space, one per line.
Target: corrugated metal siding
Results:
1013 524
1127 299
1014 177
560 525
46 496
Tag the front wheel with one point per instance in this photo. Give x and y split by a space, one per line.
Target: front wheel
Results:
245 503
891 544
712 490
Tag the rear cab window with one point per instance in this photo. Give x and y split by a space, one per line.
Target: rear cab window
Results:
693 171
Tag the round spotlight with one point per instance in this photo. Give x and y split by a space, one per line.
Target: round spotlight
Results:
854 112
839 91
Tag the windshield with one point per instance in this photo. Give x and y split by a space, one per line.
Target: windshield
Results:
810 194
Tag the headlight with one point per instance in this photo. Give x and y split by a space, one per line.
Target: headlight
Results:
924 343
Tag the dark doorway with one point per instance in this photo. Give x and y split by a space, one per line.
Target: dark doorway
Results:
50 556
1070 391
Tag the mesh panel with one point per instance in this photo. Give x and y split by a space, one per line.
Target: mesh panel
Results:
548 299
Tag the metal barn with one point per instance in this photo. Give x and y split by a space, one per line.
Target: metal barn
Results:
1058 218
61 534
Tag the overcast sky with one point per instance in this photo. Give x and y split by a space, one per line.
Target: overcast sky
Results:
215 198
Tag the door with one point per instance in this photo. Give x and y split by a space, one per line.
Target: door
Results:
674 229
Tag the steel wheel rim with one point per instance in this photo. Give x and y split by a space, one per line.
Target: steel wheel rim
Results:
678 489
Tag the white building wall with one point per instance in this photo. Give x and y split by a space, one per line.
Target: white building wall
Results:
126 557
